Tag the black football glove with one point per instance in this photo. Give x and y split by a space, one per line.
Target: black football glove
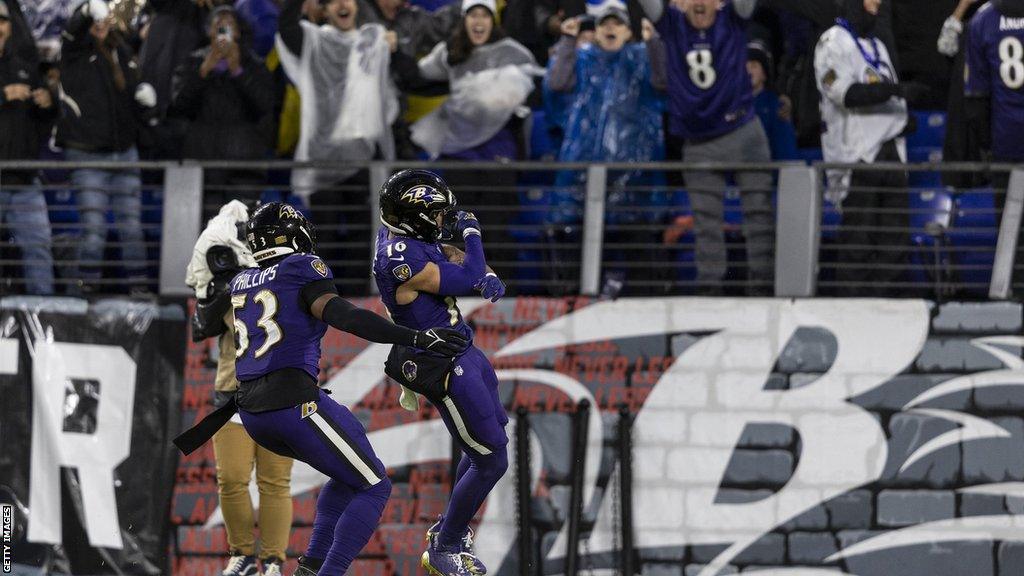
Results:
444 341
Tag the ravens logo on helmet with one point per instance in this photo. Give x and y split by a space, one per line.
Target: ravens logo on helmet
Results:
411 201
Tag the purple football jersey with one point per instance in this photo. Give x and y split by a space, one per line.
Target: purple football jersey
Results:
273 329
995 68
709 90
400 258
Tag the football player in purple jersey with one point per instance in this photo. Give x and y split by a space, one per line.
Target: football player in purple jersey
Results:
281 311
419 280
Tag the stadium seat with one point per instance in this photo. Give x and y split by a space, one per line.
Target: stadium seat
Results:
975 224
924 154
809 154
930 206
930 219
430 5
733 209
63 210
931 130
541 144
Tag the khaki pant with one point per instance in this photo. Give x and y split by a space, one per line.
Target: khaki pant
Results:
236 455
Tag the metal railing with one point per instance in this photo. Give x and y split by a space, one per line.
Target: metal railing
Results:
555 228
920 235
81 244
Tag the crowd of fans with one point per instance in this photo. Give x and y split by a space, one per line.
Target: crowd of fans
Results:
733 81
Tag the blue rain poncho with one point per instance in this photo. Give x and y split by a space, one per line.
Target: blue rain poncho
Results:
611 113
614 112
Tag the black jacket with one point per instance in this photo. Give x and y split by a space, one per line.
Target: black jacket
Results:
23 125
97 116
176 30
229 118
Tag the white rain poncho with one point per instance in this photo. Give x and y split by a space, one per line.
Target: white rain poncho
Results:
221 230
348 100
486 90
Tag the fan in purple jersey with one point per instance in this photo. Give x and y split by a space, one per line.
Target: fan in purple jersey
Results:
994 79
710 105
282 309
419 280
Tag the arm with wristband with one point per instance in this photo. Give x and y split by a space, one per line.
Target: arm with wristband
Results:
466 272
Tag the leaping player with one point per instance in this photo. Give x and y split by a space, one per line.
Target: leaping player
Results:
419 279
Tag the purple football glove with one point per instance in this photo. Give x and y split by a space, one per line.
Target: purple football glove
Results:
466 223
491 287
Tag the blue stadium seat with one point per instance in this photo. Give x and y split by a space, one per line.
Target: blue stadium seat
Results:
932 208
976 208
931 130
809 154
152 206
541 143
63 209
430 5
924 154
975 224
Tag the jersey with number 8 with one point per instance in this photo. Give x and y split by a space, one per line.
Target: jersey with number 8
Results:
995 68
400 258
273 329
709 88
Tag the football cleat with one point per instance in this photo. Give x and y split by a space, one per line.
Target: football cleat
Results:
241 565
466 544
449 563
305 569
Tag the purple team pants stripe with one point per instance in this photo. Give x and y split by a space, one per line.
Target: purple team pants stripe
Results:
333 435
452 409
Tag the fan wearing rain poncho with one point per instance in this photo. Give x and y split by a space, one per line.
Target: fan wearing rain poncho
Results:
342 75
613 90
490 76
